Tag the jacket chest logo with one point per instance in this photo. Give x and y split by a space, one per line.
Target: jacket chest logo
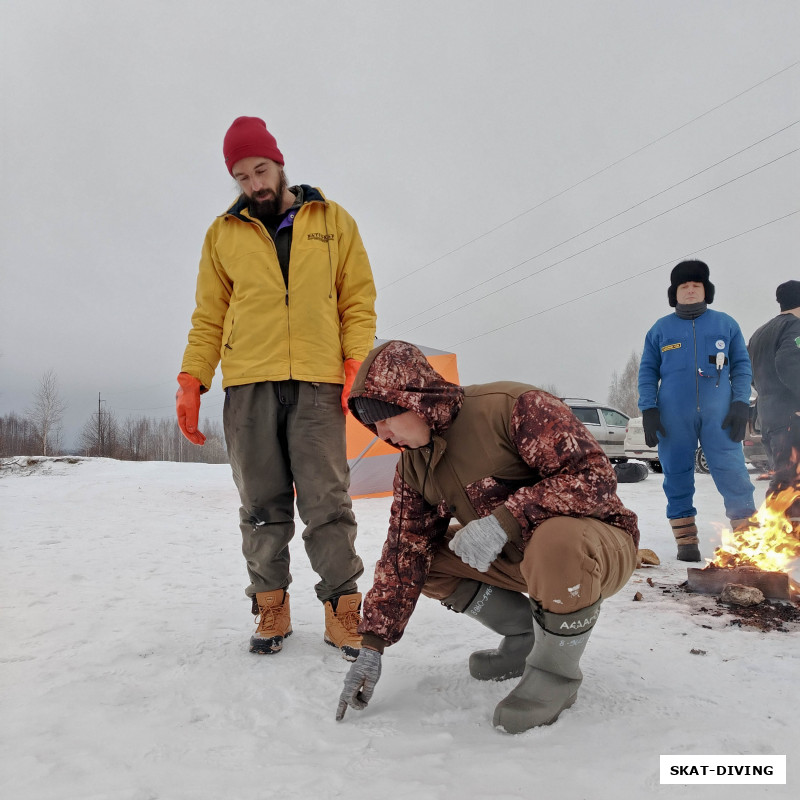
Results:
675 346
320 237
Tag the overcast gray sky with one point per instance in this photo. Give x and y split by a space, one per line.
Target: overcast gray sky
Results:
524 174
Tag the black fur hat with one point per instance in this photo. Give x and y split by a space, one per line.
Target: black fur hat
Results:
686 271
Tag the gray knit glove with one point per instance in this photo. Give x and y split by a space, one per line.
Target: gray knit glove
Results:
479 542
359 683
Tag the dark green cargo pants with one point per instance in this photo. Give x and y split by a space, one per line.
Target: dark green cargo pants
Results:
284 437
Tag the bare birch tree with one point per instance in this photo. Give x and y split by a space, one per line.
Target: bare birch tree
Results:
624 390
47 414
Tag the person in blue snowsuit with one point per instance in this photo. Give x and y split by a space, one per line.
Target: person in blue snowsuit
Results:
694 386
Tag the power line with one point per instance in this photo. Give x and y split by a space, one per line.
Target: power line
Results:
588 230
624 280
590 177
143 388
537 206
597 244
213 404
151 408
548 200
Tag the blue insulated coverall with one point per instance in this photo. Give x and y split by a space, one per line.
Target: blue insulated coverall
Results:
693 399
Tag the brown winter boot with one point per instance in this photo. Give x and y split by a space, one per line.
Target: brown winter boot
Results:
685 532
742 524
342 618
273 622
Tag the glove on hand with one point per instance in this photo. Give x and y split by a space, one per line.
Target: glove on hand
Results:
736 420
651 422
479 542
351 366
359 683
187 404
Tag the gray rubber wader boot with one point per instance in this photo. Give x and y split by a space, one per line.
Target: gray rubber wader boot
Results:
552 676
504 612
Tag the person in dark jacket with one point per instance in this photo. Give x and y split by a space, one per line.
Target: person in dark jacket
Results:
775 353
541 536
694 386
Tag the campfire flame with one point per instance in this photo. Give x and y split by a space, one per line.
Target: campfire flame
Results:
771 542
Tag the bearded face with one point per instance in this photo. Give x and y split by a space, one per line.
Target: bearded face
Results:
268 202
263 183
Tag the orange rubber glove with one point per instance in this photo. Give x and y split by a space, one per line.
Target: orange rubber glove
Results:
187 404
351 366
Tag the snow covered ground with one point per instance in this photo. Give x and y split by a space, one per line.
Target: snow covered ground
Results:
124 670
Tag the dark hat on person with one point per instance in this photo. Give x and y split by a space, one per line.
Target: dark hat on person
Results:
686 272
368 411
248 136
788 295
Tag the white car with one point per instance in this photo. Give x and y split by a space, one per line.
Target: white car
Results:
636 447
605 423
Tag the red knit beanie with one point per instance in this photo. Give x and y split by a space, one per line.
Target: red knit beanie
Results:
248 136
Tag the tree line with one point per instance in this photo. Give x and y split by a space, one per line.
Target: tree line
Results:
38 431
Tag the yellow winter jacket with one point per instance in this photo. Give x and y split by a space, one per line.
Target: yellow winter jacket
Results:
262 331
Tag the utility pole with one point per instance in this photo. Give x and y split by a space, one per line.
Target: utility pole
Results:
100 432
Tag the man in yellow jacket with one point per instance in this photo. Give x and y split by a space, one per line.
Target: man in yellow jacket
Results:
285 301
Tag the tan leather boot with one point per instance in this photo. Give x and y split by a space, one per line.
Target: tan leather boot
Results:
684 530
273 622
341 624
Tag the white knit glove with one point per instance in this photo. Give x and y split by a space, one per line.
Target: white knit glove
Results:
479 542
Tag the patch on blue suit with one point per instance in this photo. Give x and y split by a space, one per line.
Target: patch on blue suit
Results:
677 345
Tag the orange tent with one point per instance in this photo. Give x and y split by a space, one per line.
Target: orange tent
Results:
372 462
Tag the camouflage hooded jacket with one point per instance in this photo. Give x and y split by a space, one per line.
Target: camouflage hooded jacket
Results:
503 448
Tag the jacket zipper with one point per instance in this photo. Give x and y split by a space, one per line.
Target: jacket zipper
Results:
266 236
288 332
443 462
260 226
696 368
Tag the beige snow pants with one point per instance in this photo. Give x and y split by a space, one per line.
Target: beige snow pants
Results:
568 564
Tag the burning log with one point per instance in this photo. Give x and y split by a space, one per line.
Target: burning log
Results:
759 555
769 541
713 580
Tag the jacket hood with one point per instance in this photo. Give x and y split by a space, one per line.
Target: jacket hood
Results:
398 373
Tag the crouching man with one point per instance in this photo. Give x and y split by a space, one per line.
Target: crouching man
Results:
538 515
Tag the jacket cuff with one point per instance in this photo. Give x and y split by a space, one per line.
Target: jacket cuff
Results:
508 522
204 375
375 642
